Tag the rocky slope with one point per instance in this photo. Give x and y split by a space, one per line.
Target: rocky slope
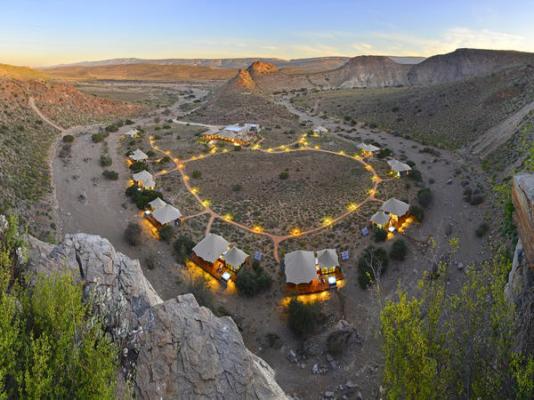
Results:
369 71
520 287
464 64
170 350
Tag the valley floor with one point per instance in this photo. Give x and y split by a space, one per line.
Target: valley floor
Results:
89 203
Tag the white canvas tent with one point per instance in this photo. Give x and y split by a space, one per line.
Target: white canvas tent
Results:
395 207
235 258
327 258
380 218
138 155
166 214
300 267
369 148
399 167
144 179
211 248
156 204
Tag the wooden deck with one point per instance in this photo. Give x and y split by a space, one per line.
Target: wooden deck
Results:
317 285
216 270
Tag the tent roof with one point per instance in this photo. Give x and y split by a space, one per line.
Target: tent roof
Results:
235 257
300 267
398 166
211 247
138 155
157 203
327 258
368 147
145 177
395 207
379 218
166 214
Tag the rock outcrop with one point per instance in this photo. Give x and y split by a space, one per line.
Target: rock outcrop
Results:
170 350
520 286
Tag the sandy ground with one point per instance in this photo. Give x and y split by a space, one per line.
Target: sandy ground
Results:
103 209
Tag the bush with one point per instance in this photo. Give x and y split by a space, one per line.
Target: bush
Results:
237 187
303 318
196 174
183 246
424 197
417 212
110 175
284 175
374 260
166 233
142 197
380 235
138 166
482 229
415 175
98 137
398 250
384 152
68 139
105 160
250 282
132 234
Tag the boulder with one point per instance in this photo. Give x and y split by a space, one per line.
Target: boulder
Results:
173 349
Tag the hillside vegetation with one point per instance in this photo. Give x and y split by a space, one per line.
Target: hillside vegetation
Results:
25 139
447 115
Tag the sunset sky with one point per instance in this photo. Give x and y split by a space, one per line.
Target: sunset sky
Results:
46 32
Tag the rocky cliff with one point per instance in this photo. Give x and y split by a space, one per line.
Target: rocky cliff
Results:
170 350
520 286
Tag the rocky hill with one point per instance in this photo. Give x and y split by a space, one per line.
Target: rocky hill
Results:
369 71
464 64
171 349
26 139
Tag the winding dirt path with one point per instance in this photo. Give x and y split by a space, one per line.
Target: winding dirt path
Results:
34 107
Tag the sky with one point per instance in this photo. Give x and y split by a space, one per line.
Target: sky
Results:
48 32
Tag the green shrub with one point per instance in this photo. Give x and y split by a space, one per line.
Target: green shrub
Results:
68 139
166 233
482 229
424 197
110 175
250 282
237 187
142 197
105 160
303 318
283 175
138 166
398 250
132 234
372 262
417 212
98 137
183 246
415 175
380 235
196 174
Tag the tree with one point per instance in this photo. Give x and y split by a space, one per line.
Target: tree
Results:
303 318
183 246
110 175
439 346
138 166
132 234
68 139
380 235
371 265
52 346
417 212
424 197
250 282
398 250
166 233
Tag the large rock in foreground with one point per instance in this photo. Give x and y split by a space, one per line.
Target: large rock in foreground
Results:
523 198
170 350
